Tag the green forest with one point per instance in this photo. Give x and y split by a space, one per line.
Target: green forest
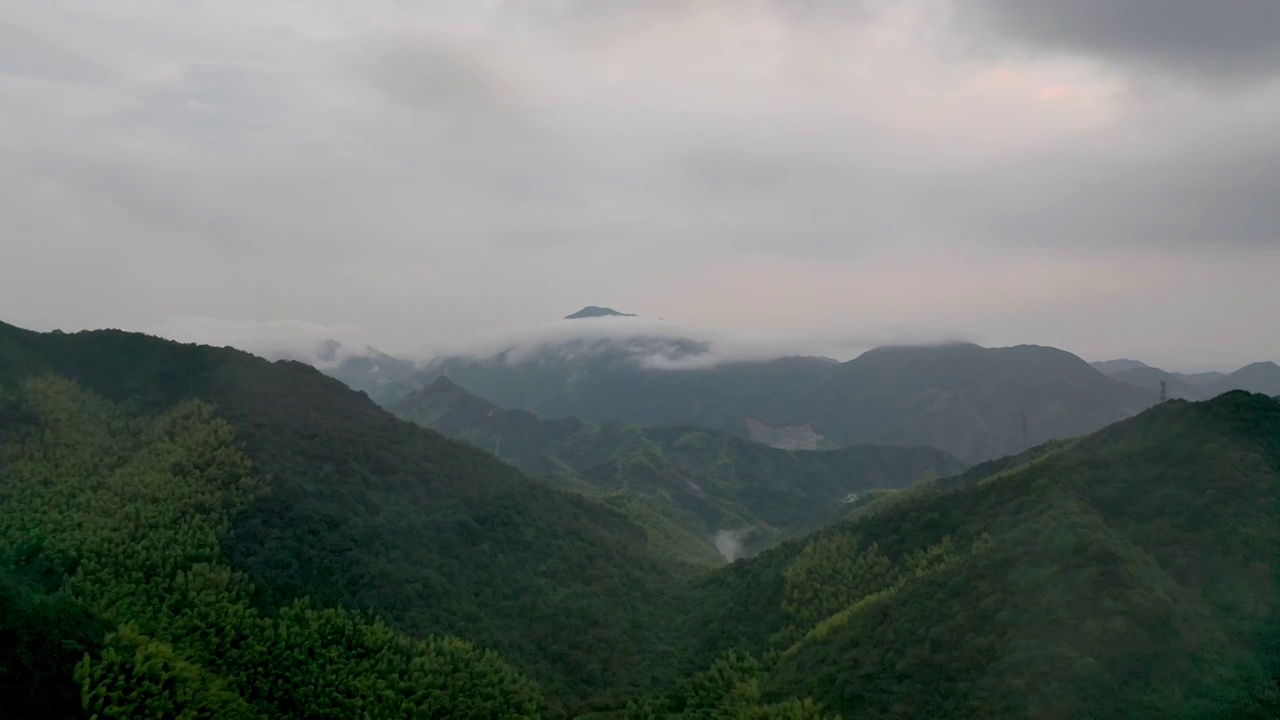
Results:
194 532
684 485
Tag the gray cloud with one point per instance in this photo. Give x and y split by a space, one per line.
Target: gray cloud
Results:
24 54
1223 39
766 166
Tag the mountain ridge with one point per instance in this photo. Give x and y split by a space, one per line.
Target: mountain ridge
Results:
257 540
352 485
966 399
1260 377
1135 566
947 388
716 481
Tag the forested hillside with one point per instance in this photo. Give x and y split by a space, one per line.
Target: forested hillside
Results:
1132 573
611 380
194 532
111 531
976 403
342 503
707 482
972 402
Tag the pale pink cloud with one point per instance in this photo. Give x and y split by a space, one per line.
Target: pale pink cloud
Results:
1055 92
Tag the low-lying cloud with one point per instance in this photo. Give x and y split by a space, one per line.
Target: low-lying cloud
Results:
648 342
668 345
323 346
730 543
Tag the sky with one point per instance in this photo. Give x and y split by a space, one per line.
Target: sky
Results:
1099 176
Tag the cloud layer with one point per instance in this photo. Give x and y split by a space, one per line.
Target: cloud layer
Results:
666 345
1100 176
323 346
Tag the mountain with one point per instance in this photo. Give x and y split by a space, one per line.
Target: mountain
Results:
1111 367
302 506
721 489
965 399
382 377
1201 378
593 311
640 379
1130 573
188 531
1260 377
1150 378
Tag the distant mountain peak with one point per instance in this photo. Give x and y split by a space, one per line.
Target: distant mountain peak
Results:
442 382
1119 365
595 311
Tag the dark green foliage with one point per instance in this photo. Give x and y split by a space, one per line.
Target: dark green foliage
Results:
728 690
189 532
140 677
364 511
1133 573
710 481
42 635
134 511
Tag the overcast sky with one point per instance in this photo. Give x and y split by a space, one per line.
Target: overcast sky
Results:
1097 175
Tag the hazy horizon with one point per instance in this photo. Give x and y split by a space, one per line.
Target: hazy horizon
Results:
309 342
802 174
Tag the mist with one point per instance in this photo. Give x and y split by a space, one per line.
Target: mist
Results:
729 543
669 345
323 346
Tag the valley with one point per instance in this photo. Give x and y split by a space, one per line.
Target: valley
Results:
293 531
636 360
708 484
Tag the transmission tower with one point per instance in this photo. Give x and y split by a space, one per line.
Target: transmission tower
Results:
1164 390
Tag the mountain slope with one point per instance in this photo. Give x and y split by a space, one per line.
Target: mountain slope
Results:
637 380
1201 378
1259 377
1112 367
1131 573
116 523
1149 378
595 311
966 399
362 510
227 537
382 377
714 482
